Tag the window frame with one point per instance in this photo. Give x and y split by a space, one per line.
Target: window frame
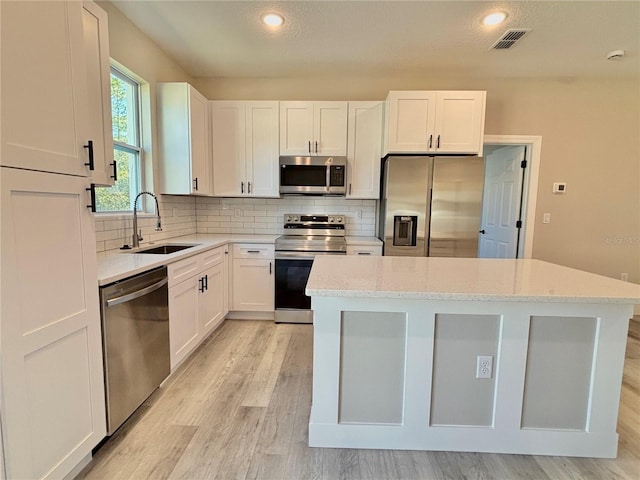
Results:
137 150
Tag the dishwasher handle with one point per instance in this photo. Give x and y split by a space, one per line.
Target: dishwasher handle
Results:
137 294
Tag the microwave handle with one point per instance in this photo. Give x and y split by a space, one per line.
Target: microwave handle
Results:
328 184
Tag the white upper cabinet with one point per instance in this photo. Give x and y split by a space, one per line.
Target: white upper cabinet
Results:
184 140
364 149
313 128
44 87
96 48
448 122
244 137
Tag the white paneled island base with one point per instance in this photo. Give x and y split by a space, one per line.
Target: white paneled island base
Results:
399 343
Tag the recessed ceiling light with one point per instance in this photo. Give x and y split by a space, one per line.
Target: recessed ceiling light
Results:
494 18
273 19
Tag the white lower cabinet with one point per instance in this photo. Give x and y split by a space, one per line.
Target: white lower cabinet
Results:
197 299
253 278
53 410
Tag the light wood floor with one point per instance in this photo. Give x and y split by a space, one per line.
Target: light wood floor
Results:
239 409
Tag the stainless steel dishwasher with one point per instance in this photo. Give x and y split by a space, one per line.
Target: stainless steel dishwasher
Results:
135 339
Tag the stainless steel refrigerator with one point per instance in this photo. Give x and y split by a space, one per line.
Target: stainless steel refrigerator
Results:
431 206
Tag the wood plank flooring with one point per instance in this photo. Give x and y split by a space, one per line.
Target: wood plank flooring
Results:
239 409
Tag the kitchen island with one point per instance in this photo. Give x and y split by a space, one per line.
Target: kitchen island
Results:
482 355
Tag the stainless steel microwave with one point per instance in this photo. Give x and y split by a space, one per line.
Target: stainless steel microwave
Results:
313 175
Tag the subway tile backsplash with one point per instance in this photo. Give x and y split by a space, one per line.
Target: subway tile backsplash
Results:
178 218
184 215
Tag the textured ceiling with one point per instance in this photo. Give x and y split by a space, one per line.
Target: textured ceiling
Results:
226 38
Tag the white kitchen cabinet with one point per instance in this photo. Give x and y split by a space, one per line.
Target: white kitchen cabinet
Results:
197 291
313 128
369 250
253 284
448 122
96 48
244 137
53 410
183 126
364 149
44 87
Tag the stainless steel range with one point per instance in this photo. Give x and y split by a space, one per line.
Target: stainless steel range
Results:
306 236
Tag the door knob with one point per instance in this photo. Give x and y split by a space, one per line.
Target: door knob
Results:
482 231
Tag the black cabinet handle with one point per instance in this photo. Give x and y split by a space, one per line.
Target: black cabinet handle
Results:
115 171
349 189
89 146
438 142
195 181
241 187
309 146
269 268
482 231
430 140
206 282
92 194
201 287
248 187
316 146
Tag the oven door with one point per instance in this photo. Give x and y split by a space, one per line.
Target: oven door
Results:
292 273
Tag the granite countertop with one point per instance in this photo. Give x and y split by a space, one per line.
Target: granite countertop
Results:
116 265
359 240
463 279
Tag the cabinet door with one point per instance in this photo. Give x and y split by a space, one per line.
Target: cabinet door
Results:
43 87
184 331
228 147
52 376
211 301
460 122
329 128
253 285
296 128
364 150
199 130
411 121
262 149
96 48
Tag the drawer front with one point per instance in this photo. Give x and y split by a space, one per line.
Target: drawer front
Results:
246 250
183 269
212 257
364 250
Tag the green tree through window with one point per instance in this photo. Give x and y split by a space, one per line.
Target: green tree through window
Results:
126 139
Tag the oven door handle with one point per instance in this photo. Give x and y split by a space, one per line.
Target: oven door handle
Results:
303 255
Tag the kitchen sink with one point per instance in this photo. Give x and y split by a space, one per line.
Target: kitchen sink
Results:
164 249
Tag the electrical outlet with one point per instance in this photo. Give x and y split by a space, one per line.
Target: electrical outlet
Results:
624 277
237 212
546 218
484 366
359 214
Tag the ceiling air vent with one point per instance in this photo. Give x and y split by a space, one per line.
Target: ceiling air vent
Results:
509 38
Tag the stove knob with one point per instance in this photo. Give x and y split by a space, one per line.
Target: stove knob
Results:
296 218
288 218
339 219
331 219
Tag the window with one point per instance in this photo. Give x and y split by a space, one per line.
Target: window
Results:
127 152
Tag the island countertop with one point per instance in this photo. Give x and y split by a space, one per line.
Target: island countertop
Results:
466 279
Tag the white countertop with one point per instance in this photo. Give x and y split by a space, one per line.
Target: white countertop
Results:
463 279
357 240
115 265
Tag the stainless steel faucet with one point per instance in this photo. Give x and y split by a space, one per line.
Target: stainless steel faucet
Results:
137 235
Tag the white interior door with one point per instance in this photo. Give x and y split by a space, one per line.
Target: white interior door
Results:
501 203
